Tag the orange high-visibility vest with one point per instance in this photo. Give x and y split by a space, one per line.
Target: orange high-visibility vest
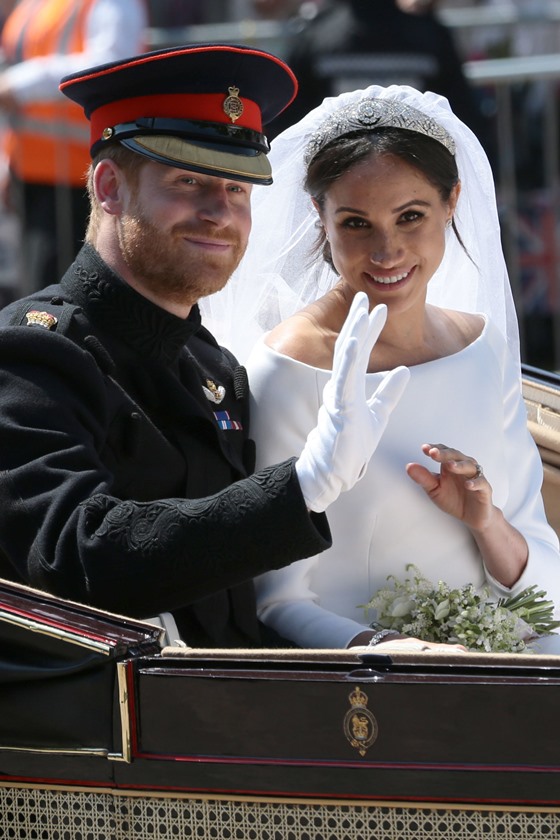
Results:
48 143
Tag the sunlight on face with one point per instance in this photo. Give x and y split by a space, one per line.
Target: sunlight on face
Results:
182 234
386 226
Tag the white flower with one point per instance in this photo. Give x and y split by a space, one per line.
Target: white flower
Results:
442 610
415 607
401 606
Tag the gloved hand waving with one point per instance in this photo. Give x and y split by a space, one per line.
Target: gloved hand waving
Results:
349 426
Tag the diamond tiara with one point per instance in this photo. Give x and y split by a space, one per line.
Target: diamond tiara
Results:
372 114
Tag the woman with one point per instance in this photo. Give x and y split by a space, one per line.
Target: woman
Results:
403 201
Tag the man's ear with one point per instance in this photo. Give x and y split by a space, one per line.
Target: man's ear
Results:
110 187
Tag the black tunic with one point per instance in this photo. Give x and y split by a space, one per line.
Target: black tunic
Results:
125 463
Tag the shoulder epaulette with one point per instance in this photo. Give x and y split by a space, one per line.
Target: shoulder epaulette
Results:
54 315
60 316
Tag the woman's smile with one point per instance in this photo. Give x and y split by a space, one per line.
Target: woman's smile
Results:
385 222
393 279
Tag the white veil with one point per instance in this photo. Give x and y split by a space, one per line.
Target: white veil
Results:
278 276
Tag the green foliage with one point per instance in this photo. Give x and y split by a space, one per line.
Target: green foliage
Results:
416 607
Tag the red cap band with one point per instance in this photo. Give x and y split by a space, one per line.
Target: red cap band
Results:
207 107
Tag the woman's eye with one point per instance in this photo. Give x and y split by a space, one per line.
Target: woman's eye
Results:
354 222
411 216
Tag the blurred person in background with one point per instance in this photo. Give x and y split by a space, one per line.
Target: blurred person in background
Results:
177 12
351 44
275 9
47 138
296 10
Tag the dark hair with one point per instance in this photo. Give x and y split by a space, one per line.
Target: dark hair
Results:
429 156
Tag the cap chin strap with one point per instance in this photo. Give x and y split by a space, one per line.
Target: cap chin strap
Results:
232 137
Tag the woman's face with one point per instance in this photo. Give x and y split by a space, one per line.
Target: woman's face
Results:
386 227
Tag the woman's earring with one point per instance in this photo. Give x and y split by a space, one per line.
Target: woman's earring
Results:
448 223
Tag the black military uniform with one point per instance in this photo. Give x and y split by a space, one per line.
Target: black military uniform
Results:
124 429
126 466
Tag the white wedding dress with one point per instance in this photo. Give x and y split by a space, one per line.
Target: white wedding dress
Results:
470 401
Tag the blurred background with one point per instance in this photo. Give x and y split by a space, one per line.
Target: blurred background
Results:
497 61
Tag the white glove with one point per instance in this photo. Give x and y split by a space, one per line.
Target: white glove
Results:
349 426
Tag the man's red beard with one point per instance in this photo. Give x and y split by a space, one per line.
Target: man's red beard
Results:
164 264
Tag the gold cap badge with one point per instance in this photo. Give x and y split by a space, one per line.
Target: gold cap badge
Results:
41 319
233 106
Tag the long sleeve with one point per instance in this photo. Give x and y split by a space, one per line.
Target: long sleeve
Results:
523 504
66 527
286 397
386 521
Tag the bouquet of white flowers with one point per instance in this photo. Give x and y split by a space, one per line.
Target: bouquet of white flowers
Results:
415 607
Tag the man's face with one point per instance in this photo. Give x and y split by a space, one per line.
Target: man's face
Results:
182 234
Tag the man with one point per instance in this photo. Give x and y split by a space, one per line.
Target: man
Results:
126 467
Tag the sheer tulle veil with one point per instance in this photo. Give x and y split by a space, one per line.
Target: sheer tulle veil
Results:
278 274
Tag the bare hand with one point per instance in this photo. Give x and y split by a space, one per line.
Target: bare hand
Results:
459 488
399 643
410 643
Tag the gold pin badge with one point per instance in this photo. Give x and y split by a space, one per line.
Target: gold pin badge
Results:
214 393
233 106
41 319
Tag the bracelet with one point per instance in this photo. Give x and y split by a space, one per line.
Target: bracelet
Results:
380 635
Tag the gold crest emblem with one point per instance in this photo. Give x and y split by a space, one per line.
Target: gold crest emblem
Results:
41 319
214 393
233 106
360 726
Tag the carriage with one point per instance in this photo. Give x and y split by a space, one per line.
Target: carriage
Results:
108 733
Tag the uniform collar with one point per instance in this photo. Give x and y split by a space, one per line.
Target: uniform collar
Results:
116 307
